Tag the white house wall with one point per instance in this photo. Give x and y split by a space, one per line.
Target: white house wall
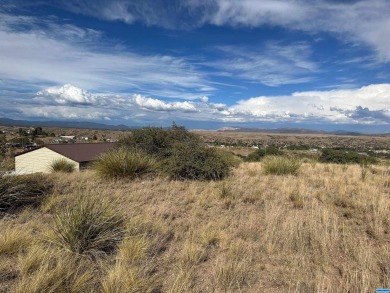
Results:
39 160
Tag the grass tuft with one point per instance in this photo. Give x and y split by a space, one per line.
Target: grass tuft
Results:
20 191
125 163
89 226
281 166
56 272
62 165
12 240
122 278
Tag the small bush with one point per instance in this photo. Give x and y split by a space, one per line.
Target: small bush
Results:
281 166
157 141
89 226
259 154
194 162
62 165
20 191
122 162
345 157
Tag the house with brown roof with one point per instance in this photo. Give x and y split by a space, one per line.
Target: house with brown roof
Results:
79 154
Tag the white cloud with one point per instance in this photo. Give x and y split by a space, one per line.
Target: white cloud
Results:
364 21
158 105
66 112
369 104
67 94
204 99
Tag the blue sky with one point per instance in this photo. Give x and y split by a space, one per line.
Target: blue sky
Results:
321 64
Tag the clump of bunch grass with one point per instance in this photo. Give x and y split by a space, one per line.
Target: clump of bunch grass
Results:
19 191
125 163
55 271
89 226
281 166
62 165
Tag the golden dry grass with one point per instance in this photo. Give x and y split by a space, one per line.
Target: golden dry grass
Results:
325 230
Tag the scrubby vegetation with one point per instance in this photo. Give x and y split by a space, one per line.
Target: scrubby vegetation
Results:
326 229
260 153
62 165
345 157
179 153
189 161
281 165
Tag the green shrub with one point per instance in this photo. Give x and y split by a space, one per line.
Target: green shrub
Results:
345 157
157 141
88 226
280 165
194 162
123 162
180 153
19 191
62 165
259 154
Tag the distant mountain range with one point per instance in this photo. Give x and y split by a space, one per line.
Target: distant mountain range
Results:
288 130
93 125
62 124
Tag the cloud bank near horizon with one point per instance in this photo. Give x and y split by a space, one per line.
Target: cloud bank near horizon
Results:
366 105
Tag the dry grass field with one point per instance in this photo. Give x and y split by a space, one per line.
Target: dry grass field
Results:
326 229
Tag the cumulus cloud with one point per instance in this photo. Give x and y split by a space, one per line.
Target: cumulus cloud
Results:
368 104
67 94
158 105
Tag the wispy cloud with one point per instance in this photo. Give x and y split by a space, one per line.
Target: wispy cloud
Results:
39 51
272 64
365 21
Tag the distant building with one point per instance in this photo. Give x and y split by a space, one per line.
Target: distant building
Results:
79 154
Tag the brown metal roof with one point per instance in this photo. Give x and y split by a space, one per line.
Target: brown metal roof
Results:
81 152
